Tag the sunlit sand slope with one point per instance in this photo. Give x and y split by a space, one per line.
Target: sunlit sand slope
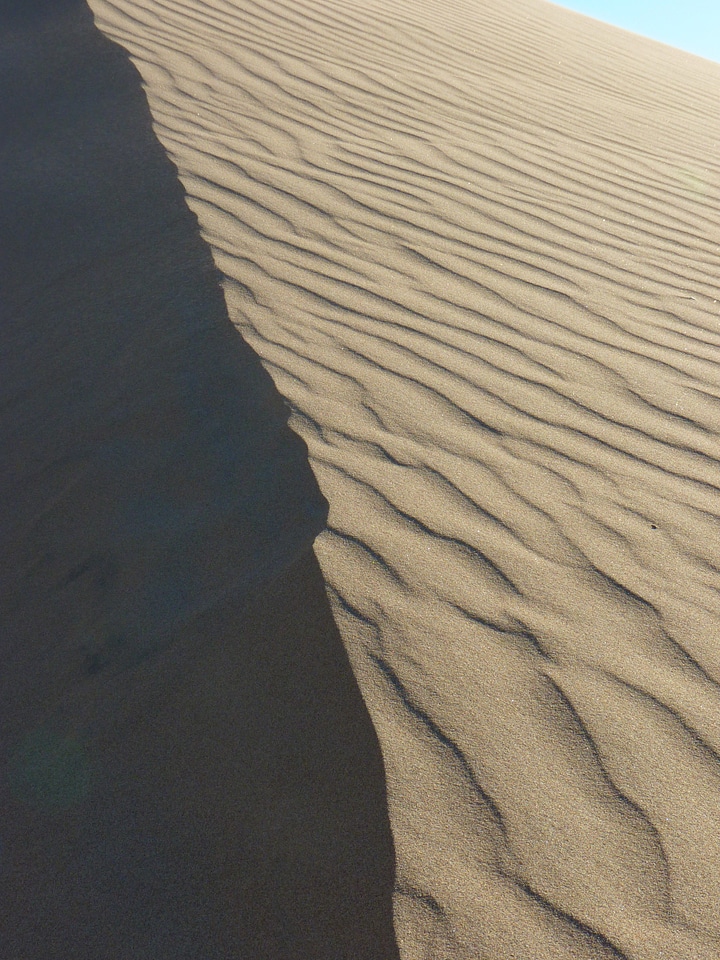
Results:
476 245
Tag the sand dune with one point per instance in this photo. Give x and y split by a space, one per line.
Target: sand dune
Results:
476 247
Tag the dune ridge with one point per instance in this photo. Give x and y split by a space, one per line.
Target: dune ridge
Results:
476 247
168 789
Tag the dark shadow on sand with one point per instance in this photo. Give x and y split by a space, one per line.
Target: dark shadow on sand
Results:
188 768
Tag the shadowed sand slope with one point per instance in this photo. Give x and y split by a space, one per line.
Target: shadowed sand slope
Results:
188 768
476 245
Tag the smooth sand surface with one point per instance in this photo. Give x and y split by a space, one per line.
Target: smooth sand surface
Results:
476 247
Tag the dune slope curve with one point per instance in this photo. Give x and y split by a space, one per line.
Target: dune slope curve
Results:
476 245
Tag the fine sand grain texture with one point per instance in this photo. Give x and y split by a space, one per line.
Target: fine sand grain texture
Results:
476 246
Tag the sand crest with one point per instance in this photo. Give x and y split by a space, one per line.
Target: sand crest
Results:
170 787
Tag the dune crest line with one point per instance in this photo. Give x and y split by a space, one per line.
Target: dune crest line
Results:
476 247
168 789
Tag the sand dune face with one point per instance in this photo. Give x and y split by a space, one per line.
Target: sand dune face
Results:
476 247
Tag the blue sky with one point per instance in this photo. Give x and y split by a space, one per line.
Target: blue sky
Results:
692 25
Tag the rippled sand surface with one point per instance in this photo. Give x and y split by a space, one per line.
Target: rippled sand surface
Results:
476 247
